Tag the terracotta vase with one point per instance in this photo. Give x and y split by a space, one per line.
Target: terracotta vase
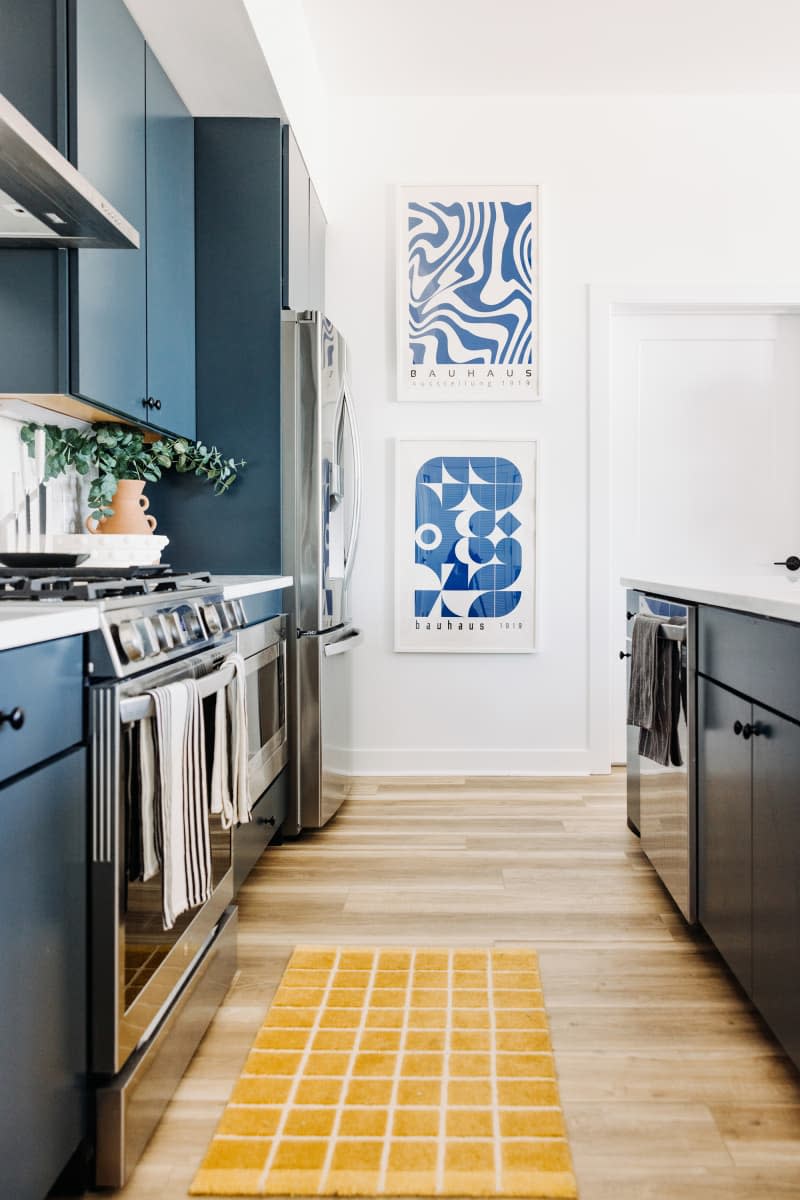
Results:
130 511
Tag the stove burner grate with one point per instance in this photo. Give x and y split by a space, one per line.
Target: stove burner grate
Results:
95 583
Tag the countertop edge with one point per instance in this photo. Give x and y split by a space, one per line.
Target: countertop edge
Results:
238 586
28 629
760 606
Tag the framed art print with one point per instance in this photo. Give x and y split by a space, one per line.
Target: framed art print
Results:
465 546
468 293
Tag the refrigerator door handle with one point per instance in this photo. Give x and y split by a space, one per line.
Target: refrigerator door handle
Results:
348 407
342 645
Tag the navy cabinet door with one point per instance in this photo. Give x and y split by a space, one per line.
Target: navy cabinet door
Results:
295 226
170 254
108 287
43 978
724 816
776 876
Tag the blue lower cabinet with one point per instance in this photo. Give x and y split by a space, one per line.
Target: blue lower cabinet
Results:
43 874
251 840
41 703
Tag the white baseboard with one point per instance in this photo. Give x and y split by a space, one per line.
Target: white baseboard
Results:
522 763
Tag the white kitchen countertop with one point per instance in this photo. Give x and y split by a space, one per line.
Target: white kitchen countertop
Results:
24 624
764 595
236 586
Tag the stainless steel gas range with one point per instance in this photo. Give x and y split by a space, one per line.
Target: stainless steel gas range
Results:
153 990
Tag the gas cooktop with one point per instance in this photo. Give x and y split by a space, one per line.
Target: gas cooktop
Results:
97 583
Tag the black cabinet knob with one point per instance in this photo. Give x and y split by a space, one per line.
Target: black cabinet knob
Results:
624 654
157 405
747 731
792 563
737 727
266 820
15 718
151 402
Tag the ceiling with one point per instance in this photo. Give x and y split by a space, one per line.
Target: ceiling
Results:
547 47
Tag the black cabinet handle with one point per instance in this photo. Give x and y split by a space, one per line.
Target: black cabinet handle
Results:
792 563
266 820
15 718
629 616
157 405
624 654
151 402
760 730
737 727
747 731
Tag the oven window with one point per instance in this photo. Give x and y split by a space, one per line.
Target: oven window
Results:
265 715
146 942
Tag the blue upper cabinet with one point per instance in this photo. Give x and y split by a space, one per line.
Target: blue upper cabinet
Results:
170 255
132 318
108 311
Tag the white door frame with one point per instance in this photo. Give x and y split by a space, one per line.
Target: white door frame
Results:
604 303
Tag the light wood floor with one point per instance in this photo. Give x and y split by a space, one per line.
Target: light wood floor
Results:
671 1086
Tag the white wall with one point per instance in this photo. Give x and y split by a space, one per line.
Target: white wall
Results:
639 190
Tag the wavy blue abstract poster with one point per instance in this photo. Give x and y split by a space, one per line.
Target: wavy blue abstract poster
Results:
465 546
468 293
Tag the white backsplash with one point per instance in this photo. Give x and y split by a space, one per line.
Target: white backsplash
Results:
66 498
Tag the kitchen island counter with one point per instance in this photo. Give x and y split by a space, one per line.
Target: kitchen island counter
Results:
762 595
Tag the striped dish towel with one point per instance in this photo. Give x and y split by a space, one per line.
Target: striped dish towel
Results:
230 791
182 809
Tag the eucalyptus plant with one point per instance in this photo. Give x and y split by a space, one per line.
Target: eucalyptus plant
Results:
118 452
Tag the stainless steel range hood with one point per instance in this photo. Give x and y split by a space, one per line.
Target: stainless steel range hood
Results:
44 201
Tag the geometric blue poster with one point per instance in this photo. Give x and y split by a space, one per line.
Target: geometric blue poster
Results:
468 293
465 546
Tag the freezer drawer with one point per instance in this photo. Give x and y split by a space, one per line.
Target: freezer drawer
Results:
325 719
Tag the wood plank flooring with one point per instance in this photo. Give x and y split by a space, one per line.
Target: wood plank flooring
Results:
672 1087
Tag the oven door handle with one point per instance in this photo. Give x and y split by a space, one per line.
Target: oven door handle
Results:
263 658
343 644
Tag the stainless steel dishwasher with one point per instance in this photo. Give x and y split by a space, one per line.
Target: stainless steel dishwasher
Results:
665 798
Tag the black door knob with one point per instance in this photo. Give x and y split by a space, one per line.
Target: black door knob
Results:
624 654
15 718
792 563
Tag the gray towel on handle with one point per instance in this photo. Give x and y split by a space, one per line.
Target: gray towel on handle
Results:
642 691
654 700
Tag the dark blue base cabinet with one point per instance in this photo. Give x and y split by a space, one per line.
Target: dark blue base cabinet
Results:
749 809
250 841
43 976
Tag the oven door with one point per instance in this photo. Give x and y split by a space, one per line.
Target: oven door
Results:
263 648
138 967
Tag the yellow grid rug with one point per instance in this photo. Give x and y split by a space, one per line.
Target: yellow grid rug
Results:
397 1072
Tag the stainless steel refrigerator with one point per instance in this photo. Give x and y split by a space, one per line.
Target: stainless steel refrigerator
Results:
322 475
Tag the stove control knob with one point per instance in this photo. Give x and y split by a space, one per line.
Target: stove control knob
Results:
192 624
175 627
232 615
149 637
131 641
212 618
164 631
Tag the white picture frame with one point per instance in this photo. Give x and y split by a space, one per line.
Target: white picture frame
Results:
468 308
465 546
